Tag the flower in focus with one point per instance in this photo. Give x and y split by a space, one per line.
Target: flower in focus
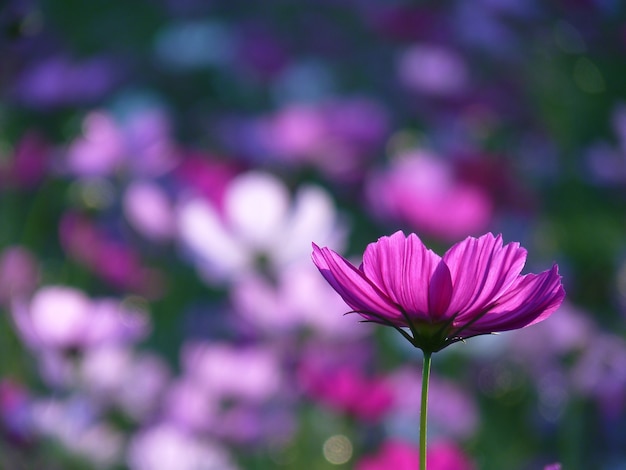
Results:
474 289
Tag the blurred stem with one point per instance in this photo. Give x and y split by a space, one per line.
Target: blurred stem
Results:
424 409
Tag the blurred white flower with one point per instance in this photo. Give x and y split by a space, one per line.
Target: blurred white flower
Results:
60 317
258 228
165 447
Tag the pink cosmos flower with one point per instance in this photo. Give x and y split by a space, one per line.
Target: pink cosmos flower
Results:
474 289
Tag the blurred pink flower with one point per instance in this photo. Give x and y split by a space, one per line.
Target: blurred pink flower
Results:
149 211
401 455
299 299
475 289
64 318
229 392
421 190
553 466
337 137
258 229
250 373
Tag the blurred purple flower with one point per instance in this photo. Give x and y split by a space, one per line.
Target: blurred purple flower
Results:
230 393
452 411
249 373
475 289
15 415
140 144
433 70
19 274
258 229
59 81
560 335
132 382
64 319
601 373
607 162
75 423
336 137
421 190
401 455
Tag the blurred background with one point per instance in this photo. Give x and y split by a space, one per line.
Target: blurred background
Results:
166 164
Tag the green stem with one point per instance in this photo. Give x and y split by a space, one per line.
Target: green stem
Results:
424 409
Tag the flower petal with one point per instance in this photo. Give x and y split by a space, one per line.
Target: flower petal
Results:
481 270
531 299
352 285
402 268
439 291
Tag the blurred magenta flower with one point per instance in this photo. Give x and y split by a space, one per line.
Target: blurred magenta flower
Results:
421 190
401 455
347 390
110 258
474 289
29 163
